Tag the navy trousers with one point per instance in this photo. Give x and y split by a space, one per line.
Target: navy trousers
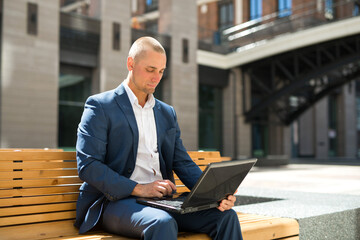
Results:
128 218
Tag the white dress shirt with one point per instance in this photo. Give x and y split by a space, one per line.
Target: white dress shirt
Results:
147 166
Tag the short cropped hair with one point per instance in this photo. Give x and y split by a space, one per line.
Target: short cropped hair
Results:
139 47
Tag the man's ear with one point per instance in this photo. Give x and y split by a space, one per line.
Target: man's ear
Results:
130 63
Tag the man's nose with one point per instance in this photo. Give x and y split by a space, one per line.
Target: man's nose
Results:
157 77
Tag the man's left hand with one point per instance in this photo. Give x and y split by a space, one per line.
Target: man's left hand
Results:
227 203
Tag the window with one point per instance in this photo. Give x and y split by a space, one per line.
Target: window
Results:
74 88
226 15
116 36
185 50
358 116
356 9
260 139
32 18
255 9
329 9
87 8
210 118
151 5
152 26
284 8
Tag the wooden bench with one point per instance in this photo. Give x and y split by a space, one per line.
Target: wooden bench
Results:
39 189
31 149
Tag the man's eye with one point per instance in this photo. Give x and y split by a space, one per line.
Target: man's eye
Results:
150 70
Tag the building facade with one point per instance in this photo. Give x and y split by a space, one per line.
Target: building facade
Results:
54 54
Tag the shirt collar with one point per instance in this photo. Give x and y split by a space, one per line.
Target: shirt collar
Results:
150 103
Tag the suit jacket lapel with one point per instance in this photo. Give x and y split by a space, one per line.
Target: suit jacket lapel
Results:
160 135
124 103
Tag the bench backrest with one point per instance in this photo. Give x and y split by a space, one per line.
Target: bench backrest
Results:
37 186
42 186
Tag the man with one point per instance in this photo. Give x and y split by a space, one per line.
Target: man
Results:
128 146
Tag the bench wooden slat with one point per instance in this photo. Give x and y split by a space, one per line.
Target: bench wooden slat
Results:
34 218
16 201
252 217
39 230
31 149
207 161
207 154
96 236
5 166
182 189
41 155
38 174
39 182
43 208
38 191
54 230
291 238
178 182
268 227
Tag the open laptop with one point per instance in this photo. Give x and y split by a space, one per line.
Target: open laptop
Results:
216 182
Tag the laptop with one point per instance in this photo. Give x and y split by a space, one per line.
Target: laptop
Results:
216 182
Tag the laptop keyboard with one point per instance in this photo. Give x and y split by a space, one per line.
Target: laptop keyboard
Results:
173 203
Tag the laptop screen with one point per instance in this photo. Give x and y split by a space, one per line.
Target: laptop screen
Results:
217 181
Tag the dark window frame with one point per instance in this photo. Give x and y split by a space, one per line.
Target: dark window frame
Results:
185 50
32 18
116 36
226 14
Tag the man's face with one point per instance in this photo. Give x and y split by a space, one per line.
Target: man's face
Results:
147 71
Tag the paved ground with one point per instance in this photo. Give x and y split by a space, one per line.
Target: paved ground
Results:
324 198
319 178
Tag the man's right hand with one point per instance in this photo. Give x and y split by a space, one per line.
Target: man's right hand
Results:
159 188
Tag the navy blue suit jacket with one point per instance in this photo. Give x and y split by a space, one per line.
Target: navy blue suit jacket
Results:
106 151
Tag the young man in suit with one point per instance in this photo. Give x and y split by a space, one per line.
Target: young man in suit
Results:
128 146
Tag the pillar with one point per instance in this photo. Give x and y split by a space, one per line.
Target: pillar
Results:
29 74
321 129
306 134
115 42
182 84
347 122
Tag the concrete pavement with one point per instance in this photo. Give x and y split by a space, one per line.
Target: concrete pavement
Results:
317 178
323 198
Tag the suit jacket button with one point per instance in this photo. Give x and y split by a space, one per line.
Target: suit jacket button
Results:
129 170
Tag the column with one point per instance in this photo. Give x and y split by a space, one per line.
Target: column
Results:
179 20
228 120
29 74
243 129
115 42
275 135
321 129
306 133
347 122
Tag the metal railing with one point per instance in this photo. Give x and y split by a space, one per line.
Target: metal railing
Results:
298 18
